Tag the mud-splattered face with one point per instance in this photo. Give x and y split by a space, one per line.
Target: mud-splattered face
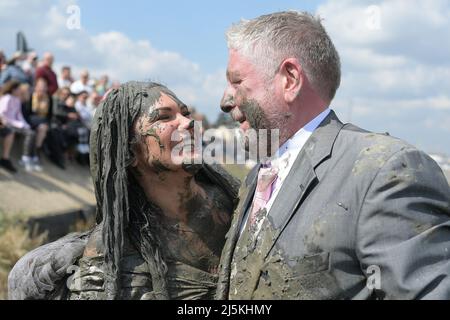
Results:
249 97
154 130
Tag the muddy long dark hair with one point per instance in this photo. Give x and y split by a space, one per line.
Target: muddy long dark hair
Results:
122 207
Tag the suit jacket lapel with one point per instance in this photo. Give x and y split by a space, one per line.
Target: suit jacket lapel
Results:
299 181
302 177
245 196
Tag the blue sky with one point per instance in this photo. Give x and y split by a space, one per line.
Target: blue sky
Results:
394 53
195 28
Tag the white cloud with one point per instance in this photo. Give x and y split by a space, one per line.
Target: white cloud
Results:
443 125
395 60
405 56
409 27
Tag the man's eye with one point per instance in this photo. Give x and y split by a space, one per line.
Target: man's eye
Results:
236 81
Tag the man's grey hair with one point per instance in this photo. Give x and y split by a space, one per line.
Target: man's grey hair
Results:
270 39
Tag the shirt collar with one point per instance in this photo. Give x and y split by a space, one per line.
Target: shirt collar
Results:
288 152
298 140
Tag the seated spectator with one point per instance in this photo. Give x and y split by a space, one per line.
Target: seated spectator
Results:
93 102
115 85
25 92
40 115
2 64
84 109
66 112
29 66
46 72
2 60
76 135
13 119
65 80
62 94
8 140
81 85
40 103
13 71
102 85
55 144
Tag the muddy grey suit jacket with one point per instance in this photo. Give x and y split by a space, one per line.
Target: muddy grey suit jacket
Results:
360 216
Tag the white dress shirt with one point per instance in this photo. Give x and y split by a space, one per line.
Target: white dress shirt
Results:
285 156
289 151
78 87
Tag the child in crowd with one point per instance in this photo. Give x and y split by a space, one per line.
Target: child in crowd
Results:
40 116
8 139
13 119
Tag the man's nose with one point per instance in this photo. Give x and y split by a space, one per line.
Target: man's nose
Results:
227 103
226 108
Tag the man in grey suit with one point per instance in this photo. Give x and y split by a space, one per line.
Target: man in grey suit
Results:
341 213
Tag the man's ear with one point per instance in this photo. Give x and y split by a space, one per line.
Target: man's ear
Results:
292 76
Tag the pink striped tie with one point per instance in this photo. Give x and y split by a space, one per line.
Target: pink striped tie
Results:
266 178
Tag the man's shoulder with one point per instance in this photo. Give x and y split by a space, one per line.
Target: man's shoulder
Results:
362 144
40 70
365 153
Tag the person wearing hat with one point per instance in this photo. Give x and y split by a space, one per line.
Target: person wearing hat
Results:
13 71
30 64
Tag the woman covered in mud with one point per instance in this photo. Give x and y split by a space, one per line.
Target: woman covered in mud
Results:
161 225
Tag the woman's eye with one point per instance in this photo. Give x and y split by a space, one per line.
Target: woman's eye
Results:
164 117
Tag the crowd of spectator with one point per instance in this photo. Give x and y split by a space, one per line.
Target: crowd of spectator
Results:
52 112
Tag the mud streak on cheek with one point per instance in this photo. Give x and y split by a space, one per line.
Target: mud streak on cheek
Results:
152 132
240 96
153 115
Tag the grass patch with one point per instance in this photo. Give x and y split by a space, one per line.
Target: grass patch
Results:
82 225
15 241
237 170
